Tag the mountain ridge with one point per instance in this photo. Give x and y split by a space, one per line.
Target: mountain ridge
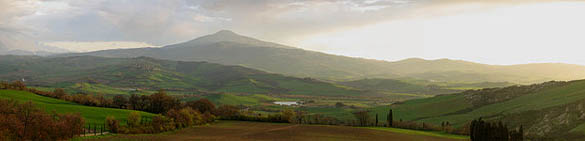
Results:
153 74
229 48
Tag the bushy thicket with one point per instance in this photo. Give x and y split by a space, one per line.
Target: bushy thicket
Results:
184 116
24 121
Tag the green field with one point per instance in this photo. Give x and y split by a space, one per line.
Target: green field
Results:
91 114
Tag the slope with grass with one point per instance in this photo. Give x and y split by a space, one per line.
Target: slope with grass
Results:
88 74
398 86
552 109
229 48
92 115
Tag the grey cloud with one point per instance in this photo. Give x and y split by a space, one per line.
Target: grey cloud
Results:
163 22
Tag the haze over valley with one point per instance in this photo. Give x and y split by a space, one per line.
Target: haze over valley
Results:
292 70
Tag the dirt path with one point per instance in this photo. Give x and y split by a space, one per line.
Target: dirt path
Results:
234 130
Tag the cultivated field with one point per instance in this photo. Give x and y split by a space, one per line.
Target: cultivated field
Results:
236 130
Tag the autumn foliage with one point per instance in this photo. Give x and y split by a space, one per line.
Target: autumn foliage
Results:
27 122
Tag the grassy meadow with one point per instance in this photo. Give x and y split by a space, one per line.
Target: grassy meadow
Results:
91 114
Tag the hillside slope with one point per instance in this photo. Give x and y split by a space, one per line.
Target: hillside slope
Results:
552 109
397 86
92 115
152 74
228 48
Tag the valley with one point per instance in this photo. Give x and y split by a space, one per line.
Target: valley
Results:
434 92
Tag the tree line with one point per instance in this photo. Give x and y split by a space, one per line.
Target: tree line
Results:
490 131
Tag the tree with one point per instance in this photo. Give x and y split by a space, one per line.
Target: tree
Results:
376 119
158 123
120 101
160 102
143 103
28 122
27 116
18 85
202 105
362 117
59 93
339 105
133 102
288 115
480 130
227 111
112 124
299 116
134 119
390 119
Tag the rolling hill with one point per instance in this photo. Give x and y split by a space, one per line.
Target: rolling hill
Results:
229 48
143 73
397 86
552 109
92 115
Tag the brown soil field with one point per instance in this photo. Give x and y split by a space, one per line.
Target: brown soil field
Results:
253 131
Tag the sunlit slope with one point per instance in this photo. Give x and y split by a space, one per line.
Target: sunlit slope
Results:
115 75
91 114
398 86
548 109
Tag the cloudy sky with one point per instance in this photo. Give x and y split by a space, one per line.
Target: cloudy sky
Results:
485 31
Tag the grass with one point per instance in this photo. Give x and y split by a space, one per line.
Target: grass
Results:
92 115
231 99
535 101
424 108
417 132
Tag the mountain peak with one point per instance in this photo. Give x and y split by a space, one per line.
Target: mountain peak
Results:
228 36
225 32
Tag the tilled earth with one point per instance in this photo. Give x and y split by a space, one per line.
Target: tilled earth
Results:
236 130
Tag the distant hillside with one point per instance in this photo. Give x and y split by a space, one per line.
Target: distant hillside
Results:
93 115
116 74
229 48
397 86
552 109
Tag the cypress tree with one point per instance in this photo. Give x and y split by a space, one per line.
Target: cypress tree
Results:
389 119
376 120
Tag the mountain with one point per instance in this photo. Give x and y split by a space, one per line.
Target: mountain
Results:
227 36
40 50
551 110
229 48
115 75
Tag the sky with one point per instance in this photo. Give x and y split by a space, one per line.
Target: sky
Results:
485 31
